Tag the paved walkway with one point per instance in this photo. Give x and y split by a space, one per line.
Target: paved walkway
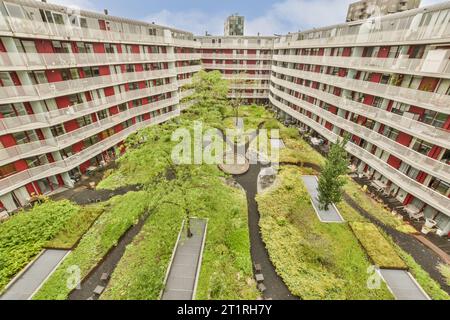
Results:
331 215
403 285
185 267
26 284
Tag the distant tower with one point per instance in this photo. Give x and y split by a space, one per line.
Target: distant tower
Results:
234 25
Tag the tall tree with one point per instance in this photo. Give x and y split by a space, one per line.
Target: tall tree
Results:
331 180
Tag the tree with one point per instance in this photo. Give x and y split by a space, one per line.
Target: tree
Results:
331 180
237 84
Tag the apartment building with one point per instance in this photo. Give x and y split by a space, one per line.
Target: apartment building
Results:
245 61
387 85
73 85
365 9
234 25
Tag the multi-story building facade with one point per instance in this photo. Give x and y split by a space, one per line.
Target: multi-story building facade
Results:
365 9
387 85
234 25
244 61
74 85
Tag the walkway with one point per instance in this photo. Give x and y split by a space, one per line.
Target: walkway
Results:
29 281
403 285
331 215
276 289
185 267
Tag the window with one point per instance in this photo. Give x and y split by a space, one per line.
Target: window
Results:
435 119
7 170
422 147
58 130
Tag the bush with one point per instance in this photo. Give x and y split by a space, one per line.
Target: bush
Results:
377 247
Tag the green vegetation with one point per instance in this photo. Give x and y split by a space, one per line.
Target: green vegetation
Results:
377 247
75 228
24 235
431 287
374 208
315 260
120 214
182 192
331 179
445 270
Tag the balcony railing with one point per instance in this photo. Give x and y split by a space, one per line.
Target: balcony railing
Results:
237 66
188 56
25 27
415 128
189 69
24 177
428 100
429 196
413 158
48 119
378 36
399 65
246 76
13 94
237 56
35 61
22 151
249 95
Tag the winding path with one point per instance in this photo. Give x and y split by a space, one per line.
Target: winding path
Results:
276 288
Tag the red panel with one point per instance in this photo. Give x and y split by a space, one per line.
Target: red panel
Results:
53 75
346 52
71 125
114 110
62 102
375 77
20 165
84 166
394 162
8 140
104 70
43 46
102 24
99 48
447 124
135 48
2 47
404 139
435 152
384 52
109 91
77 147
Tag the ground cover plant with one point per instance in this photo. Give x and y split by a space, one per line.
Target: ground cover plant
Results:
315 260
25 234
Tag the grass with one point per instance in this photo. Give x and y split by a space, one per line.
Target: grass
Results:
445 271
430 286
120 214
75 227
375 209
140 273
377 247
317 261
24 235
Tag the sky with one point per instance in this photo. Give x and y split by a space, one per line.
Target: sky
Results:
266 17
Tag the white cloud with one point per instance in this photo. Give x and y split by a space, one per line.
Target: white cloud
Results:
81 4
194 21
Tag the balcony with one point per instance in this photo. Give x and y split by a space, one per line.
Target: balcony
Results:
28 28
413 158
48 119
237 66
246 76
24 177
14 94
237 56
189 69
188 56
38 61
415 128
369 35
433 198
398 65
252 95
428 100
53 144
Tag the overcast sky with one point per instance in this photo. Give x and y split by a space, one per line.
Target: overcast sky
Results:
265 16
